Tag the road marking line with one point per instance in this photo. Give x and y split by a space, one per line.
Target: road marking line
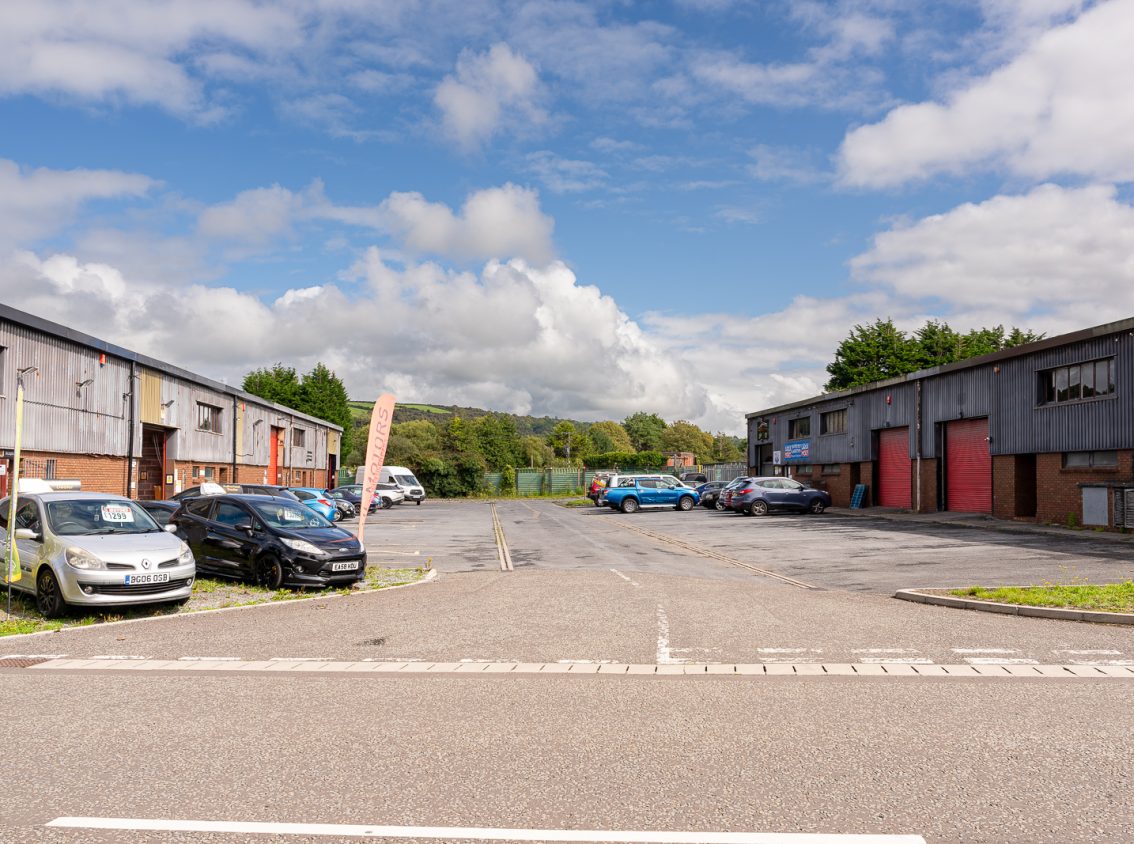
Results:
664 656
881 666
999 660
789 650
703 552
884 651
985 650
116 656
501 543
633 583
1090 653
477 833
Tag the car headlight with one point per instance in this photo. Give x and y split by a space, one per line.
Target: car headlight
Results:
185 556
304 547
82 559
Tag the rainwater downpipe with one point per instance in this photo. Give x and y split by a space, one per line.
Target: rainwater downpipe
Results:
234 438
917 446
130 434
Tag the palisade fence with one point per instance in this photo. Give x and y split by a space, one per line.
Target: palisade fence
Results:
567 481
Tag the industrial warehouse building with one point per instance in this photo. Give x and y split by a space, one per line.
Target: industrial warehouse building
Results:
1041 432
125 423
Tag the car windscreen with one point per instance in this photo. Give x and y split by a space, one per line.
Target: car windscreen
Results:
283 514
88 516
407 480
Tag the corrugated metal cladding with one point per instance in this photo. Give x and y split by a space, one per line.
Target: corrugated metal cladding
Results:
74 404
188 442
150 409
1020 424
954 395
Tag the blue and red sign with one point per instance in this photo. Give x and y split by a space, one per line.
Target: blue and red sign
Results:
797 450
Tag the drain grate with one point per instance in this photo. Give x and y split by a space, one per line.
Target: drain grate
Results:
22 661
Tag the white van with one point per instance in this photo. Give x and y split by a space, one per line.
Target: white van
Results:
403 479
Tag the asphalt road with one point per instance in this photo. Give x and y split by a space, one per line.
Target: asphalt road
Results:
951 760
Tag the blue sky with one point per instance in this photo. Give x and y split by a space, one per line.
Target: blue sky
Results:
577 209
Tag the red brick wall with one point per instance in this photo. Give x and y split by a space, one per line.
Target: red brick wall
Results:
1004 486
98 473
1057 490
928 484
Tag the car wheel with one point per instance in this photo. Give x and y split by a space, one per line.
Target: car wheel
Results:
387 503
817 506
629 505
718 506
686 503
759 507
270 573
48 598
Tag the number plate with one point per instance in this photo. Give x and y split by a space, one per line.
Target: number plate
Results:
348 566
152 577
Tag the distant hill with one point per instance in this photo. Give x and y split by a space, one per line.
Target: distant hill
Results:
538 425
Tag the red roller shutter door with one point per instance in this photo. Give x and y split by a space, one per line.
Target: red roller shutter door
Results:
895 488
968 466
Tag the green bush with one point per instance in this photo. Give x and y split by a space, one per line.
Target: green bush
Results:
508 481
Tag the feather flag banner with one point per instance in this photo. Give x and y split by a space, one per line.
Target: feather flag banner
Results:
380 420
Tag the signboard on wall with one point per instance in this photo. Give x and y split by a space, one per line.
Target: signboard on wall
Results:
777 458
797 450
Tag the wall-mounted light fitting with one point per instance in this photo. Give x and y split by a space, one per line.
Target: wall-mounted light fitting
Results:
166 404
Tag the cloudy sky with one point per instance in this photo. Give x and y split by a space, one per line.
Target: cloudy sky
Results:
551 207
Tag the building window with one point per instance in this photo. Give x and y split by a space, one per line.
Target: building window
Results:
1088 380
797 429
834 422
832 468
49 469
297 436
208 418
800 469
1090 460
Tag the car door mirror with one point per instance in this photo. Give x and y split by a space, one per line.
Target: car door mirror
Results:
171 528
28 533
247 527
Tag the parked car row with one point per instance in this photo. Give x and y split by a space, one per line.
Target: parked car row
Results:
752 496
101 550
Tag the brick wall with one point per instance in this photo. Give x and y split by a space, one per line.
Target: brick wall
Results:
838 485
1057 490
928 484
97 473
1004 486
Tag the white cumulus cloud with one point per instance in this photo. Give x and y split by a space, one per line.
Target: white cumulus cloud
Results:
487 91
1063 106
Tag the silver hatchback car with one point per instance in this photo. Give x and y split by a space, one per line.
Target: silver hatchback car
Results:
96 550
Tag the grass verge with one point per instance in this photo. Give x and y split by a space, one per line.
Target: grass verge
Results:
208 594
1103 597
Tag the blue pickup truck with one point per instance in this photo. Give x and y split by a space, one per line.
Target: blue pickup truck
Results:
650 492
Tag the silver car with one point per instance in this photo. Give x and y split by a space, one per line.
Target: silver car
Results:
96 550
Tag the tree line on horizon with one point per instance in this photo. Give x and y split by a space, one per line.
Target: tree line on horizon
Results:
452 453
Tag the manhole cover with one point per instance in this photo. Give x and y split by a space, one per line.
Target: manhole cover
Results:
22 661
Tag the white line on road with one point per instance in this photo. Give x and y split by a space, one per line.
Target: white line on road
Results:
633 583
1090 653
896 660
884 651
479 833
789 650
985 650
664 656
999 660
116 656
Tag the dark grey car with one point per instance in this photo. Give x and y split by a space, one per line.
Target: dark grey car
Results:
760 496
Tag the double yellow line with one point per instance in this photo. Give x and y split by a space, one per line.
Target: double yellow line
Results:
501 543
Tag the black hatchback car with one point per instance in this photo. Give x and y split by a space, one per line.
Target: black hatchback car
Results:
269 540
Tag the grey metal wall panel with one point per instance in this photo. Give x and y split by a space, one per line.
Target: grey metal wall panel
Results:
1021 425
75 404
955 395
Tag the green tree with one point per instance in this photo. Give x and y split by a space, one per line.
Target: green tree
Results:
569 442
880 350
726 449
609 436
685 436
497 440
535 451
280 384
644 430
322 395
